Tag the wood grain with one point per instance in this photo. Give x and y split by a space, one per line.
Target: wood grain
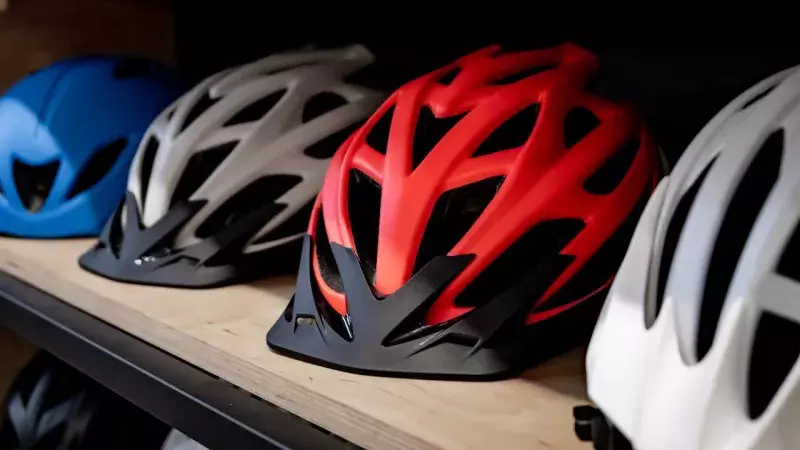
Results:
223 331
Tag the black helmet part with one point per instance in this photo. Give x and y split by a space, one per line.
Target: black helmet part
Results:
51 406
144 255
490 342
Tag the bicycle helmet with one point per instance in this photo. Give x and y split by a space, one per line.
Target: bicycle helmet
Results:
697 344
68 134
224 181
458 232
51 406
179 441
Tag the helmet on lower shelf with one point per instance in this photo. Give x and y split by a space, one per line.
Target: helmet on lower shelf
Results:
471 227
698 342
68 134
224 181
52 406
179 441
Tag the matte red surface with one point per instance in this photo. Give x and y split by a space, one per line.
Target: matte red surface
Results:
544 180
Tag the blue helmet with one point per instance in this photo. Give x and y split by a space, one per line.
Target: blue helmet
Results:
68 134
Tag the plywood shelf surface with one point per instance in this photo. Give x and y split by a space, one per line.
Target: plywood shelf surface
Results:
223 332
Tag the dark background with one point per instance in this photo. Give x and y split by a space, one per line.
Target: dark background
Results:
676 70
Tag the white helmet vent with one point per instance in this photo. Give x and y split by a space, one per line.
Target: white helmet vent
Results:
673 233
198 109
320 104
758 97
743 210
256 110
199 168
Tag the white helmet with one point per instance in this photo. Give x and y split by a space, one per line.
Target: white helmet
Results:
697 344
224 180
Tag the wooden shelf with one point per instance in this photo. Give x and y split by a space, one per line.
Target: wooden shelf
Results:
223 332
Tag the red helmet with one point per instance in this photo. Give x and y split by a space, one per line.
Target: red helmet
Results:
462 231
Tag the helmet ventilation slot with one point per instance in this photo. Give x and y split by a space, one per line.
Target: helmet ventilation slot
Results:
789 264
34 183
539 245
743 210
199 108
521 75
776 347
364 202
322 103
608 177
257 110
98 166
578 123
756 98
326 147
429 131
511 134
296 224
198 169
449 76
257 194
378 136
325 260
454 213
602 265
330 276
148 158
673 233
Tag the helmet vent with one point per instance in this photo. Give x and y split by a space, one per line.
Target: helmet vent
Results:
294 225
578 123
148 158
449 76
789 264
131 68
671 237
199 168
603 264
511 134
378 136
521 75
743 210
758 97
98 166
34 183
325 260
264 190
322 103
257 110
115 233
539 248
453 215
364 200
613 171
326 147
199 108
776 347
429 131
